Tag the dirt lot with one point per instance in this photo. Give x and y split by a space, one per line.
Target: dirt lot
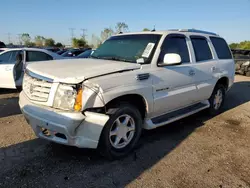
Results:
198 151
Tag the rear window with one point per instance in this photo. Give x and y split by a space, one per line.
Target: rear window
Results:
201 49
221 48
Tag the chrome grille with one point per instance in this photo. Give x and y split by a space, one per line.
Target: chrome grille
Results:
36 89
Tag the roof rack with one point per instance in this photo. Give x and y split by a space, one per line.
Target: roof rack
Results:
194 31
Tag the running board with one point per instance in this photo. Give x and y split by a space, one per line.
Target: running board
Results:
175 115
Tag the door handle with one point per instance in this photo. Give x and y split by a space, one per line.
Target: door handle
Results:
191 72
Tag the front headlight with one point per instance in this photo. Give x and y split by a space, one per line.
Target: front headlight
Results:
68 97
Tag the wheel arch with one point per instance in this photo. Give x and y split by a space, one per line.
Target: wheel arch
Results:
133 98
223 81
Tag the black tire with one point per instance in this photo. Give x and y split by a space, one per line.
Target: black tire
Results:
105 147
212 110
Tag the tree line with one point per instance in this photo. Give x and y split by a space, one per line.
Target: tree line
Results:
244 45
81 42
96 40
39 41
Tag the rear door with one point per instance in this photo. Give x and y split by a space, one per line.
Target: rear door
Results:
7 71
204 67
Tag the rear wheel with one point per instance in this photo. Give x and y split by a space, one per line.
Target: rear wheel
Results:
121 132
217 99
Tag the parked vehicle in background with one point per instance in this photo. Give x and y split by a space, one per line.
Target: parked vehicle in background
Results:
74 52
60 52
133 81
52 49
242 61
86 54
2 45
14 60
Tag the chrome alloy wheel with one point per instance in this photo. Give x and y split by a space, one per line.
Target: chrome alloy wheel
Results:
122 131
218 97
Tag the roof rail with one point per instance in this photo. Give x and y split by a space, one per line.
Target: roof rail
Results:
194 31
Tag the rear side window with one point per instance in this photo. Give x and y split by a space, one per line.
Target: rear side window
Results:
37 56
177 45
201 49
221 48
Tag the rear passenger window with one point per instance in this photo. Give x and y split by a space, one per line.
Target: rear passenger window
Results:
37 56
175 44
201 49
221 48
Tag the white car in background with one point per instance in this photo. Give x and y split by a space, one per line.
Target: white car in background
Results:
14 60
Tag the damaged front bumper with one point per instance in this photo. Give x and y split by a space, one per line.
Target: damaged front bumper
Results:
68 128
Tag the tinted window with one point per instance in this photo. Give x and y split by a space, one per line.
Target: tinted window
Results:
221 48
176 45
8 57
128 48
201 49
37 56
85 54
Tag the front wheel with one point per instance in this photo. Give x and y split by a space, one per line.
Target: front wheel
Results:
217 99
121 132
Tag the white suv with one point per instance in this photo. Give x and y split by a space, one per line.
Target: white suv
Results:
133 81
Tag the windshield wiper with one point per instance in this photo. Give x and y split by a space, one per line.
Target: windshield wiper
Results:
117 59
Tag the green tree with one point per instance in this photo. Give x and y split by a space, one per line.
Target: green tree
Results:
106 33
25 37
31 44
146 29
59 45
233 45
49 42
96 41
39 40
121 27
79 43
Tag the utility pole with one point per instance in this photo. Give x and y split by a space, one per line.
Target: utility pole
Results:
84 33
19 39
9 34
72 33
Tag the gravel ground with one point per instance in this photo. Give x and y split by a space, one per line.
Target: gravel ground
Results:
198 151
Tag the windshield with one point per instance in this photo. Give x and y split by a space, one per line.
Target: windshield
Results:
128 48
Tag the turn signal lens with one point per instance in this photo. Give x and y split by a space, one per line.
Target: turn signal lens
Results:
78 102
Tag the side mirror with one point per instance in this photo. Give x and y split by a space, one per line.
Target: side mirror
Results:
171 59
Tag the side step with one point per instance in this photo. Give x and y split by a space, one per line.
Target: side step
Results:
175 115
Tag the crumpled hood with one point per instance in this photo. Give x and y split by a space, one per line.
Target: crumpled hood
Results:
76 70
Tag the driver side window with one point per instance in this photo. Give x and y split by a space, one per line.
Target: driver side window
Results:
175 44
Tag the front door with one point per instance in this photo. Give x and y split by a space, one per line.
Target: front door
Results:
7 70
173 86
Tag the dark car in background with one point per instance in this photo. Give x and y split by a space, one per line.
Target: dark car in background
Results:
2 45
52 49
74 52
60 52
86 54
